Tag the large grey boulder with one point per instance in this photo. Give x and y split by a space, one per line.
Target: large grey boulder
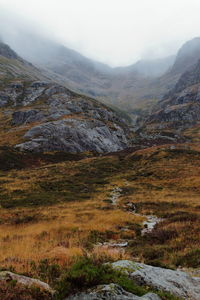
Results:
177 283
110 292
75 135
26 281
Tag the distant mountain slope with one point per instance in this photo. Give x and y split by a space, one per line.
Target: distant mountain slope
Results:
150 68
187 56
119 86
39 115
14 67
136 88
180 108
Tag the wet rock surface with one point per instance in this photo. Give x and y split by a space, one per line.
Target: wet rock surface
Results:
111 292
177 283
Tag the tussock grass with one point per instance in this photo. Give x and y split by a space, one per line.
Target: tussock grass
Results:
61 209
64 238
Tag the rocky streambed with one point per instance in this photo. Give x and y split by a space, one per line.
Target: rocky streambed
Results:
150 220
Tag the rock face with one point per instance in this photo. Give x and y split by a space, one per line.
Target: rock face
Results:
24 280
110 292
27 116
180 108
61 120
176 282
74 135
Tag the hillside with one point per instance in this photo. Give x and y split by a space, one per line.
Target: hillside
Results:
44 116
122 87
14 67
134 88
180 108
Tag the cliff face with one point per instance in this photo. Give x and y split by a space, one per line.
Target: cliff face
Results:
180 108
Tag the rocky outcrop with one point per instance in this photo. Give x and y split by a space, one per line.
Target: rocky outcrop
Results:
65 120
28 116
180 108
111 292
25 281
74 135
177 283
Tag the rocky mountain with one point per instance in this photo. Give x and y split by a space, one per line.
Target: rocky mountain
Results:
47 117
134 88
180 108
125 87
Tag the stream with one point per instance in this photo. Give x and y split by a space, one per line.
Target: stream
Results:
148 225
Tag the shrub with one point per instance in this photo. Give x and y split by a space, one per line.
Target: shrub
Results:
86 274
191 259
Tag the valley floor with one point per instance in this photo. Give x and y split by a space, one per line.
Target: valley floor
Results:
58 210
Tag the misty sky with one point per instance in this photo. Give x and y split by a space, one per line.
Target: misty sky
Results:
117 32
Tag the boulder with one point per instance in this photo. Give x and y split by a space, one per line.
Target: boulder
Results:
110 292
177 283
26 281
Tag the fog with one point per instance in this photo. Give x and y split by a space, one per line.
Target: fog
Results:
115 32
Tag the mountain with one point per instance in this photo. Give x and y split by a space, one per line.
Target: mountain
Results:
14 67
150 68
40 115
135 89
187 56
124 87
180 108
156 88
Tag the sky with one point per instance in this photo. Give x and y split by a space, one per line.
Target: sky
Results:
116 32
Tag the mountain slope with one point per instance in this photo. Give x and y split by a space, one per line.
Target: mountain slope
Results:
14 67
44 116
122 87
180 108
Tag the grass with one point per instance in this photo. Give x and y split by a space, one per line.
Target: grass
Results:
57 207
12 290
60 233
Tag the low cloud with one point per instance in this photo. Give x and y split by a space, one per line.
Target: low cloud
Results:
116 32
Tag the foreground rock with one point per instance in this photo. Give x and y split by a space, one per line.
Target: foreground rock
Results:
25 281
111 292
177 283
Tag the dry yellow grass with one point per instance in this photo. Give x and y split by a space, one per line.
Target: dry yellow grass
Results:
158 181
61 239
